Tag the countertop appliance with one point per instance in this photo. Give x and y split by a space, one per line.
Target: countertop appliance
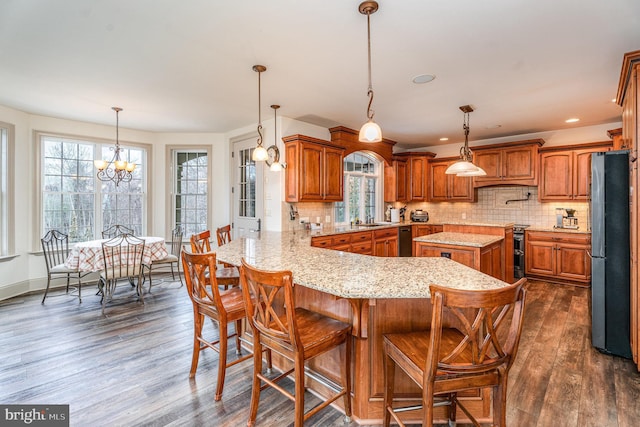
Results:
419 216
610 253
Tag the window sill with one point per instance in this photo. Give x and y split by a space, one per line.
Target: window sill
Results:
8 257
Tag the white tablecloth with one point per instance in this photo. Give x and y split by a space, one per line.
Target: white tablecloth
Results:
87 256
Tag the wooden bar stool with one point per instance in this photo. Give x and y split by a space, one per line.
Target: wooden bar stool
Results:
476 352
227 275
222 307
296 333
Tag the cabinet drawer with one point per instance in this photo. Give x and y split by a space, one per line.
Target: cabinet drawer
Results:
559 237
341 239
321 242
361 237
386 232
345 247
362 247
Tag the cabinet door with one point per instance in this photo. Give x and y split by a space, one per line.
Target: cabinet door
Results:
461 188
395 182
491 162
401 181
582 174
519 164
310 174
573 262
438 180
392 246
418 178
292 172
333 175
540 257
556 171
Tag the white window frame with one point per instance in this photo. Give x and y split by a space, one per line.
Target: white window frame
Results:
379 177
172 182
7 228
98 144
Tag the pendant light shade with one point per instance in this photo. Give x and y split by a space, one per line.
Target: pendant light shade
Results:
465 166
370 131
259 153
276 166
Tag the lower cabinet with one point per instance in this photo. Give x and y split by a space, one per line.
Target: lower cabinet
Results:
558 256
487 259
385 242
418 230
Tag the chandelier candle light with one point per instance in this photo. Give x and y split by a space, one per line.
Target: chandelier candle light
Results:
116 170
465 166
259 153
370 131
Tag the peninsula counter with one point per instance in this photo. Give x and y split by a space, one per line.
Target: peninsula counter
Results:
376 295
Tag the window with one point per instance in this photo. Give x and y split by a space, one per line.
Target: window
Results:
75 202
362 189
6 230
191 185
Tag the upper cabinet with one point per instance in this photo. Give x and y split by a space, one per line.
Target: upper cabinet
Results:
565 174
395 181
417 176
314 170
448 188
514 163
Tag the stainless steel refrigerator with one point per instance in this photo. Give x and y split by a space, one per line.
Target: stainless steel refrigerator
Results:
610 252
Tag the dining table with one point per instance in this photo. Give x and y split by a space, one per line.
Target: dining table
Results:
88 257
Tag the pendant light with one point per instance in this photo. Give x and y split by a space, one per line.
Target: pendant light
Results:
276 166
370 131
115 170
259 153
465 166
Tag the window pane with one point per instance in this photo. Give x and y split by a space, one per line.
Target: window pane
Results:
361 198
191 187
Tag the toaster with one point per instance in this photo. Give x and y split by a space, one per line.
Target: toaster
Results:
419 216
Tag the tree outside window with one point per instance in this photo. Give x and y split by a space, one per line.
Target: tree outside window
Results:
362 194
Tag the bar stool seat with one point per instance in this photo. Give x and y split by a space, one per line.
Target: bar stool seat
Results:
296 333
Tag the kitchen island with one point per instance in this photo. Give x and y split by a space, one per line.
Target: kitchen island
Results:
376 295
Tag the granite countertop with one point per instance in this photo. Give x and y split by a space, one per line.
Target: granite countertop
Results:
481 224
460 239
351 275
559 230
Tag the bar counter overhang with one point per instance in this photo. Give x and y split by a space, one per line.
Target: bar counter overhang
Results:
376 295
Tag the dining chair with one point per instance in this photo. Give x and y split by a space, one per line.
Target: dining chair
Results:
471 344
229 277
221 307
172 258
226 275
116 230
55 246
122 260
295 333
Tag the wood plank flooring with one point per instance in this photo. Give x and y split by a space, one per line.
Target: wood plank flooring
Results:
131 368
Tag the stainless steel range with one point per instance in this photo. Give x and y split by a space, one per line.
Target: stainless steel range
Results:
518 250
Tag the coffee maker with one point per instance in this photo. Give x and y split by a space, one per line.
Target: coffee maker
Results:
570 220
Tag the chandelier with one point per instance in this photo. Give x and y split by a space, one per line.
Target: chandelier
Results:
465 166
115 170
259 153
370 131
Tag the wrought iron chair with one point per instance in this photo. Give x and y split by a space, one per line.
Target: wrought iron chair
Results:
172 258
221 307
122 260
472 343
293 332
116 230
55 246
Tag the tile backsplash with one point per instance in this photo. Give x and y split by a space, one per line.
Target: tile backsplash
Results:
495 204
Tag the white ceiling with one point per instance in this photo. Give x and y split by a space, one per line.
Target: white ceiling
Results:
186 66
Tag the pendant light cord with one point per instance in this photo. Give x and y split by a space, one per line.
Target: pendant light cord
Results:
370 113
259 114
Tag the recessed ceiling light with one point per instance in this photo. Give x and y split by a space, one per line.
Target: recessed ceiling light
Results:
572 120
493 126
444 139
613 100
423 78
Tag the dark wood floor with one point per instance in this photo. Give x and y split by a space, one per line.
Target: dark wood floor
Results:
131 367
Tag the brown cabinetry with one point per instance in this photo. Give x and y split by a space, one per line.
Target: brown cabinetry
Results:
558 256
418 230
358 242
395 182
619 143
314 170
487 259
385 242
513 163
565 174
416 171
448 188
